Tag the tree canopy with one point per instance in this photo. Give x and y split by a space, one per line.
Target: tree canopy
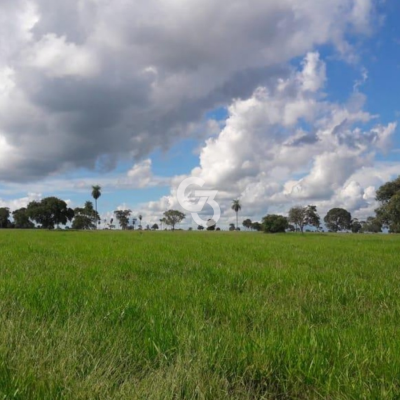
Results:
274 223
21 219
371 225
256 226
86 217
4 217
49 212
338 219
247 223
304 216
123 218
389 211
173 217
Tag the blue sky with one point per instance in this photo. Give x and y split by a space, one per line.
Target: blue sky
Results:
171 116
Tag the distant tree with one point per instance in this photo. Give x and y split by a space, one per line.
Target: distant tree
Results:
218 229
371 225
4 217
140 220
256 226
312 217
236 206
49 212
173 217
123 217
96 193
291 228
247 223
356 225
274 223
200 228
304 216
338 219
85 218
211 225
21 219
231 227
155 227
134 220
190 228
389 211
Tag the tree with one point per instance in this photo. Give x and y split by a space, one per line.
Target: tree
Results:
155 227
21 219
338 219
256 226
162 221
274 223
85 218
291 228
236 206
173 217
247 223
140 217
304 216
200 228
356 225
96 193
4 217
211 225
312 217
111 225
389 211
231 227
49 212
371 225
123 217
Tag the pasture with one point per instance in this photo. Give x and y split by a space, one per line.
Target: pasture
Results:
198 315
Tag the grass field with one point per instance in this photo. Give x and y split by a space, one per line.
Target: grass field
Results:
190 315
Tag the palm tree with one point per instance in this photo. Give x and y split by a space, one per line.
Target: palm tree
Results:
140 219
236 206
96 193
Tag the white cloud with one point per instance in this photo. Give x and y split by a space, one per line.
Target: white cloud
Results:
263 147
14 204
97 80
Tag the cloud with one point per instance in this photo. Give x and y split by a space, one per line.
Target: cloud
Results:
287 145
87 83
15 204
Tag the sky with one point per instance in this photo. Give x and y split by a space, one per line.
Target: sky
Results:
276 103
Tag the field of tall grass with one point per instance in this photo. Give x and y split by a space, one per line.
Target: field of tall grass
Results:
198 315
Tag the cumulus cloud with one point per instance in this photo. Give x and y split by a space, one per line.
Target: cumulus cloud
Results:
85 83
287 145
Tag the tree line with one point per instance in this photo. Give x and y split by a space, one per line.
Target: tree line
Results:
52 212
387 216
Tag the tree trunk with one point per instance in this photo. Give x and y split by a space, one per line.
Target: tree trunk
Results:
95 201
237 220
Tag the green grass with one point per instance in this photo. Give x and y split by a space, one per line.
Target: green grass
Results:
189 315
